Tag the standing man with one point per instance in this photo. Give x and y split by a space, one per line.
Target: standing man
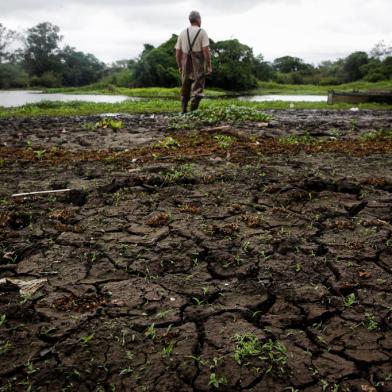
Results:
193 57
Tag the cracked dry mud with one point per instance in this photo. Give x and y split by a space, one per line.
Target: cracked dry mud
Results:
163 259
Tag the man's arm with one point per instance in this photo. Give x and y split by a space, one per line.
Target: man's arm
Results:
207 59
179 59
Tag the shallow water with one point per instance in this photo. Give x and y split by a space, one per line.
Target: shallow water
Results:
286 98
19 98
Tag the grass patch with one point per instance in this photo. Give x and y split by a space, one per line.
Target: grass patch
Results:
156 106
272 354
381 134
150 92
310 89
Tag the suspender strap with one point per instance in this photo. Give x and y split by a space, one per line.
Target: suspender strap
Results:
194 40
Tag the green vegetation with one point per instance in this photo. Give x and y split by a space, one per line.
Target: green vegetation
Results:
272 353
216 382
371 322
224 141
147 92
109 123
350 300
86 340
381 134
313 89
215 114
49 108
36 58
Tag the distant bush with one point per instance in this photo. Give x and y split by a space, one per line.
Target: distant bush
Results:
329 81
374 76
12 75
47 79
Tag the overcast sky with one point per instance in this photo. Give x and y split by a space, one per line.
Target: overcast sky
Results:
315 30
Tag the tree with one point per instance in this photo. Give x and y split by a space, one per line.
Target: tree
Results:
263 70
288 64
6 38
353 67
157 67
234 66
42 49
381 51
78 68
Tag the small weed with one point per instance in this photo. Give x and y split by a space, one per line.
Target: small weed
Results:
5 347
39 154
298 267
3 317
371 322
380 134
216 382
168 142
30 368
350 300
167 351
109 123
273 354
86 340
224 141
306 138
126 371
90 126
177 173
151 332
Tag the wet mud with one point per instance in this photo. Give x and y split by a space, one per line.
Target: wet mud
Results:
264 264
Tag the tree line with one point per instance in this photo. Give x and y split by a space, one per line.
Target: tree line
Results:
41 61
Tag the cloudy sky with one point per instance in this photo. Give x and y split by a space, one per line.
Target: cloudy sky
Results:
315 30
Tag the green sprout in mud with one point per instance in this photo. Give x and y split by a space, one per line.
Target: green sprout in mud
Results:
25 298
350 300
169 142
306 138
5 347
30 369
167 351
198 301
298 267
225 141
216 382
272 353
29 144
86 340
3 317
117 198
90 126
371 322
2 162
109 123
177 173
39 154
151 332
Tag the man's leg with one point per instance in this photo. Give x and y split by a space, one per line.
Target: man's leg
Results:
197 92
185 93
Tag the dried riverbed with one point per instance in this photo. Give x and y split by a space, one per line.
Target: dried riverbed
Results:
238 258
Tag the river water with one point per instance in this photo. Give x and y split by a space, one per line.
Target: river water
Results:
21 97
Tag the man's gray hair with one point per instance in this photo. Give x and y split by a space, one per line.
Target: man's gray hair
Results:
194 16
